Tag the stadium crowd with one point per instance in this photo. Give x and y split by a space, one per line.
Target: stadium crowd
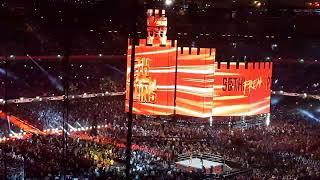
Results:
33 77
286 149
295 70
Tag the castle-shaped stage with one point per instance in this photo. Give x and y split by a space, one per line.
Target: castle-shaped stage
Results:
170 80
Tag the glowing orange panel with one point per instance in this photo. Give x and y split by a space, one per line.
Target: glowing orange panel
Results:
154 79
195 82
242 91
156 27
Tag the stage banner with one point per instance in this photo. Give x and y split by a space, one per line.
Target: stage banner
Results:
195 81
243 89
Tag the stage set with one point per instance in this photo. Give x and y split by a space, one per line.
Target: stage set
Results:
189 81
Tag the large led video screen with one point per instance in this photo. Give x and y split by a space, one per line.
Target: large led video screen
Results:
156 26
195 81
154 78
157 81
204 87
242 90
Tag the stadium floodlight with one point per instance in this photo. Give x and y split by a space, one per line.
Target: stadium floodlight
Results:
168 2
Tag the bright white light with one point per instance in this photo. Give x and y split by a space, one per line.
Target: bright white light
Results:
268 120
257 3
168 2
